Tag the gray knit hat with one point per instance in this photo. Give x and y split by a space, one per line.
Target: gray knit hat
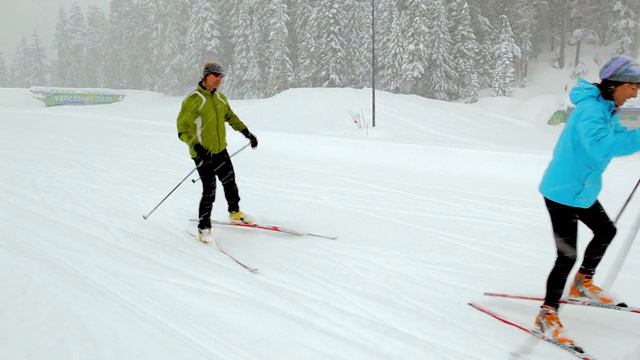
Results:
622 69
212 68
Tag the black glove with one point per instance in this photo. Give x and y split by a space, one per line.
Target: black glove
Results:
201 151
251 137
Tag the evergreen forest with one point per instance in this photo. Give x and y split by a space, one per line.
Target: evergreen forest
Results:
441 49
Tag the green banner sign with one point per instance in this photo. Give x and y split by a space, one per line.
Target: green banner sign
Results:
69 96
53 99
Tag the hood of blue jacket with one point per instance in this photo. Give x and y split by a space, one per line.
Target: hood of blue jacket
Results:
585 91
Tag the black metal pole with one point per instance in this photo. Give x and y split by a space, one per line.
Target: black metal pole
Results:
373 63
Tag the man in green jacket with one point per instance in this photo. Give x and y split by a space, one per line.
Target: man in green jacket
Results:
201 125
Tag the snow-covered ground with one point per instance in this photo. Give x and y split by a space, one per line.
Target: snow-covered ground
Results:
435 205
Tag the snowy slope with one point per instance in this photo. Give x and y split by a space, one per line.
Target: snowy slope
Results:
434 206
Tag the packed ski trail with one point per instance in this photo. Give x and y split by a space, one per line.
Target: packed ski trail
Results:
425 224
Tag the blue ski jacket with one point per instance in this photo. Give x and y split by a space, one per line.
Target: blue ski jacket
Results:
592 136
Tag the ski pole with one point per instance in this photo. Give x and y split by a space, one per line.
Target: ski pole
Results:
146 216
230 156
626 202
624 251
622 255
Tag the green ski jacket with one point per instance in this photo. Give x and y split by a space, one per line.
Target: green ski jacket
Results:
202 120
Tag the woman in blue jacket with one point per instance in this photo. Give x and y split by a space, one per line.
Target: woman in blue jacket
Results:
591 138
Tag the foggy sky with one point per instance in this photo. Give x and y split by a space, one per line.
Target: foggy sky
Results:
19 17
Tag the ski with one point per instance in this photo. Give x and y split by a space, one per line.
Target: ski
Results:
574 350
270 228
273 228
222 250
571 301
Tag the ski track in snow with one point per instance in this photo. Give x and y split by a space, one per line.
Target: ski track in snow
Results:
389 208
424 225
107 285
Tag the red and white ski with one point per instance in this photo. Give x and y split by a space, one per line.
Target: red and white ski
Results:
574 350
270 228
222 250
571 301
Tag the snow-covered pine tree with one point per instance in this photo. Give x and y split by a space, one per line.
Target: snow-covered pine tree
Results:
626 26
149 38
77 34
62 74
21 68
578 37
489 9
203 36
582 30
358 36
601 19
523 15
417 43
229 12
37 61
485 36
309 44
176 77
262 28
119 40
293 8
560 15
442 80
506 53
392 58
278 66
246 74
139 38
465 50
95 47
579 70
333 45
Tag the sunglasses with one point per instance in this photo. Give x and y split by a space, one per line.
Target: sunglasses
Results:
217 75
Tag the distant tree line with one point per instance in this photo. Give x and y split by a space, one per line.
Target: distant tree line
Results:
442 49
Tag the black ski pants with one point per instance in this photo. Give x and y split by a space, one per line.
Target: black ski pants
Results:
564 221
220 166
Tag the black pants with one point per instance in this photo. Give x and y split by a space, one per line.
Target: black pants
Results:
564 220
220 166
